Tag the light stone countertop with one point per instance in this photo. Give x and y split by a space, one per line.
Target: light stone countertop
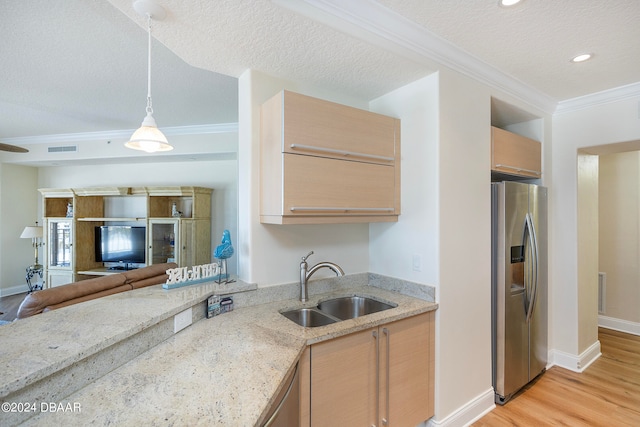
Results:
222 371
34 348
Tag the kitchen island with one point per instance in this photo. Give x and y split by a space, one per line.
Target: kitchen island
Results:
225 370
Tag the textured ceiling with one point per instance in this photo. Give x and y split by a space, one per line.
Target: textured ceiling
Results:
535 40
80 65
231 36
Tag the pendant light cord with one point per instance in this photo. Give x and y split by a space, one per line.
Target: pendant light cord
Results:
149 107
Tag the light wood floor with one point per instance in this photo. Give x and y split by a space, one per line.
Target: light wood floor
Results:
607 393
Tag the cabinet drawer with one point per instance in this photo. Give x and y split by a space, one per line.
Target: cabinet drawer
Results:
321 128
336 187
515 154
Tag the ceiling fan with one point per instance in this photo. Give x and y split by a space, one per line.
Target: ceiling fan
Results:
12 148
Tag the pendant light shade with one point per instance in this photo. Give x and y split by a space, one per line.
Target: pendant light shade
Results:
148 137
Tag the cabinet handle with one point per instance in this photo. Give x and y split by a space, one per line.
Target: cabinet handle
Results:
338 209
385 421
375 337
518 169
340 152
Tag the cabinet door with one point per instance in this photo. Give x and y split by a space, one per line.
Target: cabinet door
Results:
185 243
162 236
200 246
59 240
343 381
515 154
406 366
314 185
58 278
318 127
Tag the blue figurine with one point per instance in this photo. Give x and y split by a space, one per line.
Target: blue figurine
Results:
222 252
225 249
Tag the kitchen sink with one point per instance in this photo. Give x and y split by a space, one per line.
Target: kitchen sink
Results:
351 307
336 309
308 317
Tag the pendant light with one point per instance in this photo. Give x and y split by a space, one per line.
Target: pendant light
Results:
148 137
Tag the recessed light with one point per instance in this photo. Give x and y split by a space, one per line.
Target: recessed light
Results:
582 57
507 3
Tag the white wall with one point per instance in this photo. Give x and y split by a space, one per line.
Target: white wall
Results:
270 254
601 124
463 353
619 234
391 253
221 175
18 209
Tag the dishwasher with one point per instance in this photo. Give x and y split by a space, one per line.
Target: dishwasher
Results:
286 409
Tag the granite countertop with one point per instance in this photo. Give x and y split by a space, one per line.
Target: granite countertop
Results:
225 370
38 346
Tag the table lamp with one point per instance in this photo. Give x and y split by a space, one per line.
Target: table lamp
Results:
34 233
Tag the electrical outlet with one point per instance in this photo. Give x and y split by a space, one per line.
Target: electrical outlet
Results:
417 262
182 320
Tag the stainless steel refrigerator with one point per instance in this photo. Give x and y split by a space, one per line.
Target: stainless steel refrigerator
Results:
519 288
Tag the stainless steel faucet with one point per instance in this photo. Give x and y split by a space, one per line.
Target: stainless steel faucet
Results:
306 273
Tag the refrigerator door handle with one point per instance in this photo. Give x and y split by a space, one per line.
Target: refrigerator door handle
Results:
533 242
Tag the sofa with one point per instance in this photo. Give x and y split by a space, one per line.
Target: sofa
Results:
85 290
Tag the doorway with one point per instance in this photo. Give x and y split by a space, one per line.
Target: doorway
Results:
609 201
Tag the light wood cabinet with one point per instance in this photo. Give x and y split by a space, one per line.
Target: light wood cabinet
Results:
381 376
185 240
515 154
323 162
72 215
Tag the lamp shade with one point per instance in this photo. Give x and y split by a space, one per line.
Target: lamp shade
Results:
148 137
31 232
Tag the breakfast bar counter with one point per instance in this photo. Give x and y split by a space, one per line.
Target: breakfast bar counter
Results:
226 370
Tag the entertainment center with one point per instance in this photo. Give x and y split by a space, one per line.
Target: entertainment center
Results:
97 231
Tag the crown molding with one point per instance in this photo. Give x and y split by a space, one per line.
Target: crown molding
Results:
120 134
376 24
599 98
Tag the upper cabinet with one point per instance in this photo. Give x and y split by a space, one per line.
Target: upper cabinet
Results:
323 162
514 154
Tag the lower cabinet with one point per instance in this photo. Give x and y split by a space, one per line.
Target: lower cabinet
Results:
378 377
58 278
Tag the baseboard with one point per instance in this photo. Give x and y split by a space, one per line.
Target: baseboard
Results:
18 289
468 413
619 325
576 363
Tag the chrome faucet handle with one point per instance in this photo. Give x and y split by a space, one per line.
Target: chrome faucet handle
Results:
304 258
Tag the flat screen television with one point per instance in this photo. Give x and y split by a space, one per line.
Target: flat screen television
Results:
120 243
